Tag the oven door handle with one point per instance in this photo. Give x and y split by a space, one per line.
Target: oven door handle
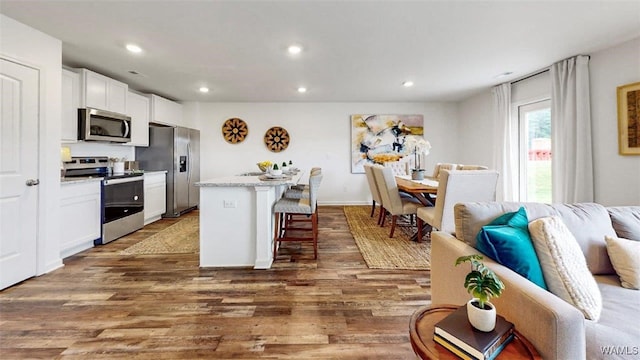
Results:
123 180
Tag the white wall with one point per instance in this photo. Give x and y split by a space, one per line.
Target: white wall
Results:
31 47
617 177
320 136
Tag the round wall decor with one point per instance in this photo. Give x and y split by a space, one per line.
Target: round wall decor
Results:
276 139
235 130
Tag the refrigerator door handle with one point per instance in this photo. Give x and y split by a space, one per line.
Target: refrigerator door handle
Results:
188 165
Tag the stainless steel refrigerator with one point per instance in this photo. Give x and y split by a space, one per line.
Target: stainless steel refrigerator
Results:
176 150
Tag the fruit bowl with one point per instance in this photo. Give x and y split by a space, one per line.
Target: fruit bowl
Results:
263 166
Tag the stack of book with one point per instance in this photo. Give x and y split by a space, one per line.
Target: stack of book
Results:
457 335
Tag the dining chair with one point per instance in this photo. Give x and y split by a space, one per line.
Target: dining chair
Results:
457 186
400 167
442 166
313 170
392 202
285 230
472 167
375 191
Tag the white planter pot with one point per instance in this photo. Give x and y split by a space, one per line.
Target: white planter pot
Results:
481 319
276 172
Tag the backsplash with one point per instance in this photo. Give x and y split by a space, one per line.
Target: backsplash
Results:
102 149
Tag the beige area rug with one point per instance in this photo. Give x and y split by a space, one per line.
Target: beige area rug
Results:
381 252
181 237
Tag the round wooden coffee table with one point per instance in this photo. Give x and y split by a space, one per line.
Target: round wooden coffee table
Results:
421 332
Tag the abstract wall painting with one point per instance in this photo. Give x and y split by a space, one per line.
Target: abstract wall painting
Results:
382 138
629 119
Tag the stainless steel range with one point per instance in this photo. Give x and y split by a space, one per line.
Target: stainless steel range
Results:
122 196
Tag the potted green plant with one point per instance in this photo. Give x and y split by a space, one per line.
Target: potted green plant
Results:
483 284
275 170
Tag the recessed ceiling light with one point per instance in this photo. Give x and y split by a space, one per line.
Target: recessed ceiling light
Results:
294 49
204 89
407 84
302 89
134 48
507 73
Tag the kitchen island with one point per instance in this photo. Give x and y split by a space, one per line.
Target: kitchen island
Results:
236 219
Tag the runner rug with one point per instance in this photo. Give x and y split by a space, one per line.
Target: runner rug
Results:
181 237
381 252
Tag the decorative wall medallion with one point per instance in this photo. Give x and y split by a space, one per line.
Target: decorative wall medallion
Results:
276 139
235 130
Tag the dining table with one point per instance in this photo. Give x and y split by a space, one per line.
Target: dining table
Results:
423 190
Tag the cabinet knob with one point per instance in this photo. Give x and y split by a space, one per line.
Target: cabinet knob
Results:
32 182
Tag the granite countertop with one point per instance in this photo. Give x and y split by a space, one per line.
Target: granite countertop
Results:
76 180
240 180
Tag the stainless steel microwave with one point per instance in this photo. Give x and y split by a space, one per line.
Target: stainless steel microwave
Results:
100 125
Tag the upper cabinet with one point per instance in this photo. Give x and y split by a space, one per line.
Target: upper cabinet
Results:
138 109
101 92
70 104
166 112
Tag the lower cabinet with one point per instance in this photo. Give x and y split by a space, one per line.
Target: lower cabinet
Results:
155 196
80 208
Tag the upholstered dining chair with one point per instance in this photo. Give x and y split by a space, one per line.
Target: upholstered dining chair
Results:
457 186
472 167
400 167
392 202
285 230
375 191
442 166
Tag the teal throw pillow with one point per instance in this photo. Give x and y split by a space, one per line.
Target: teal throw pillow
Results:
506 240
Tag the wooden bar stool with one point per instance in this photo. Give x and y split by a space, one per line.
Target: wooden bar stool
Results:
284 224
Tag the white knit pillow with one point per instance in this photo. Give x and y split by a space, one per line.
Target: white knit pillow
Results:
564 266
625 257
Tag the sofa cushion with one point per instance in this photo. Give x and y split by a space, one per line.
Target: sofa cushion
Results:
506 240
626 221
564 266
625 257
588 222
617 329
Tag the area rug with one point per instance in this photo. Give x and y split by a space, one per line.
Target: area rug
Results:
381 252
181 237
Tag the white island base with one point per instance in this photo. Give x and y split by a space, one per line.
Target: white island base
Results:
236 220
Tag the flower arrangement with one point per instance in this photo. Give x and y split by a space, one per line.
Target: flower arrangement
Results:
264 165
417 145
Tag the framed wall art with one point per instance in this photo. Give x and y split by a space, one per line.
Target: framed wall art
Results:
629 119
382 138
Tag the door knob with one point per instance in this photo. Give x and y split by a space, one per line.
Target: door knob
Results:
32 182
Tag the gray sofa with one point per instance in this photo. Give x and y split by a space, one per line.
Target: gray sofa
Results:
556 329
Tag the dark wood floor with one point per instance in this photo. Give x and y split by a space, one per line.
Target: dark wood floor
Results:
103 305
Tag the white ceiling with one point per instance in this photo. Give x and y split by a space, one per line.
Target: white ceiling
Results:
355 51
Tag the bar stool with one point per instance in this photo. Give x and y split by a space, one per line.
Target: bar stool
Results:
283 208
301 191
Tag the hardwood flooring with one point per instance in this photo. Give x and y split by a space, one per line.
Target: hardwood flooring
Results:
103 305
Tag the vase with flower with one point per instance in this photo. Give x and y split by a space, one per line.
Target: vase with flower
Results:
419 147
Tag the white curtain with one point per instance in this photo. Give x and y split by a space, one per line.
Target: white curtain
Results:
572 174
506 144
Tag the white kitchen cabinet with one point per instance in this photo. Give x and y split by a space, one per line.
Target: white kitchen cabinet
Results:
101 92
155 195
70 104
80 211
165 111
138 108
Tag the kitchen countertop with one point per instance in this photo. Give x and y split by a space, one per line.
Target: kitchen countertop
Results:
76 180
239 181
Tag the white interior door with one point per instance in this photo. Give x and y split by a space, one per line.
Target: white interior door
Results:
19 110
